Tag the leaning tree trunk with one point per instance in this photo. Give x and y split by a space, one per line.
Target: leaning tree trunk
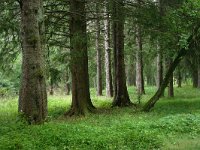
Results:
81 102
139 63
121 97
183 52
33 96
109 85
98 50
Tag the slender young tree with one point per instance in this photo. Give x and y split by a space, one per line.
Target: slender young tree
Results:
81 102
33 97
109 85
171 82
99 52
139 63
121 97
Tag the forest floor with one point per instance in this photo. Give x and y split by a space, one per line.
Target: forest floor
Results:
174 123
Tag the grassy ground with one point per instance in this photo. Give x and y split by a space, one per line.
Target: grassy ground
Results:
173 124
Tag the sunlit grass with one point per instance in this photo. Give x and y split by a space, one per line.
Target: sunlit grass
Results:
174 123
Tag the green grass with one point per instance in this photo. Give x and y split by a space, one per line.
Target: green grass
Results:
174 123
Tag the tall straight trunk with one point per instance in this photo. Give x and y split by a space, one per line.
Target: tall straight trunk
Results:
109 85
195 77
159 66
98 50
171 82
81 102
68 88
33 96
139 62
51 87
198 76
121 97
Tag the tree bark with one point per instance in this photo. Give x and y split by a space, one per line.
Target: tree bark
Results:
33 96
179 78
109 85
159 67
121 97
198 76
99 55
139 63
68 87
171 83
81 102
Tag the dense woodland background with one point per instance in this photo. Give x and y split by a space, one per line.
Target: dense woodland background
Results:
88 59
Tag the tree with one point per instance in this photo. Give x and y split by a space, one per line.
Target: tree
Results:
191 42
139 62
121 97
98 49
33 97
81 102
109 85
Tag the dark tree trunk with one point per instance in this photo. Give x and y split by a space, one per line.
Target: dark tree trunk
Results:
171 82
174 64
198 76
121 97
81 102
139 63
195 77
99 55
109 85
51 87
33 96
179 78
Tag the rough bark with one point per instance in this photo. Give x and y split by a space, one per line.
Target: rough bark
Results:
98 50
139 63
109 85
121 97
81 102
33 96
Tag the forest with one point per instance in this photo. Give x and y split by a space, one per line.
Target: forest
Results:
99 74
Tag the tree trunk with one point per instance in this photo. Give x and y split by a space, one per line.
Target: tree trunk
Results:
68 82
121 97
139 63
179 78
171 81
51 87
198 76
159 67
109 85
81 102
99 55
195 77
33 96
165 82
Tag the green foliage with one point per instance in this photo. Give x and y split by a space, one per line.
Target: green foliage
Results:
108 128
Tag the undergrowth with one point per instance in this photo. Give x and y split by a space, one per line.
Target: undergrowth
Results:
173 122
